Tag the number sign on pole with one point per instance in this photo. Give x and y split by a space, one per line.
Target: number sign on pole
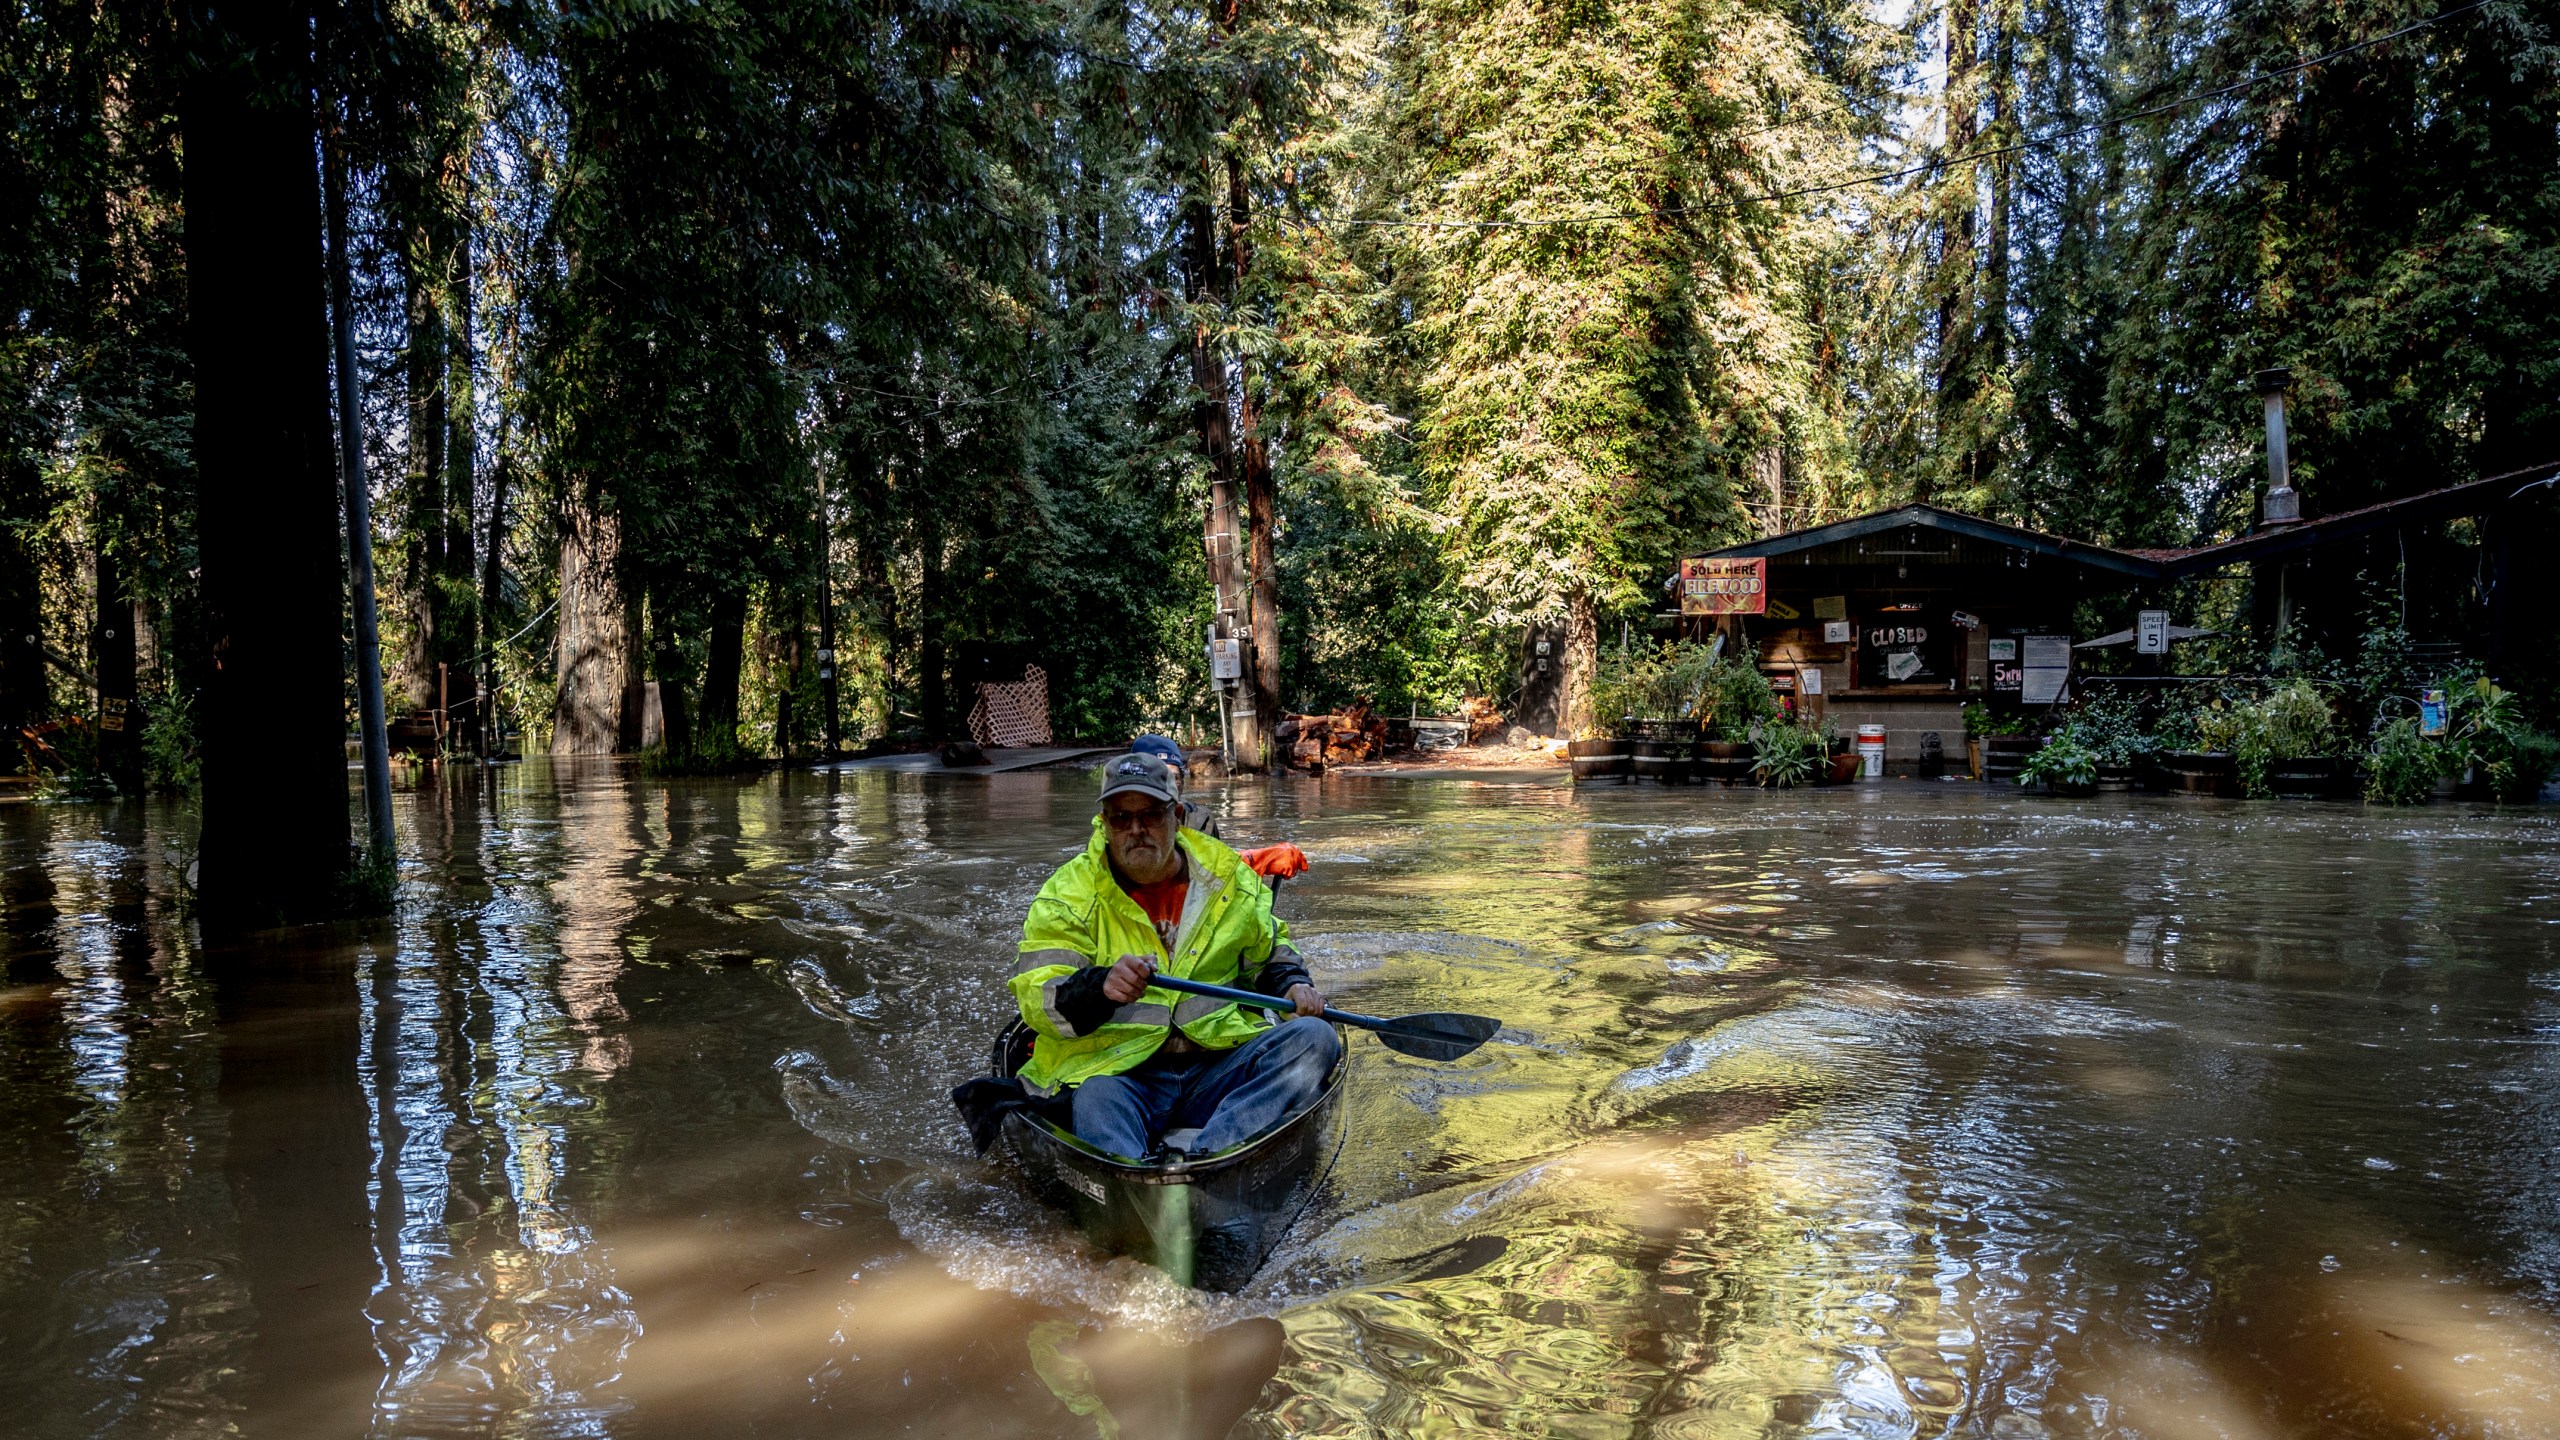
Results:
2151 633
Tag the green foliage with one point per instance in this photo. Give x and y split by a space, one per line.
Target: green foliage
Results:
2111 723
368 887
2066 761
2494 741
1680 680
1981 719
1785 756
171 762
1619 686
2218 727
2293 721
2404 766
1740 698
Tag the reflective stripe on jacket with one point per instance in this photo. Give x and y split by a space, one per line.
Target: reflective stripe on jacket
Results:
1082 917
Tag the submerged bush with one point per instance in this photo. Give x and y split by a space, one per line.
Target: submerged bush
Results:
2404 766
1785 756
2066 761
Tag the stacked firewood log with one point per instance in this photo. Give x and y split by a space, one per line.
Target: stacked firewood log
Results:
1351 736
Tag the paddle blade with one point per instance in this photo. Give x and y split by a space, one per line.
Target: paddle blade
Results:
1437 1036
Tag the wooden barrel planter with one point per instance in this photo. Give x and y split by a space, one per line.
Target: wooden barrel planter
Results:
1599 760
2115 779
2200 772
2313 778
1732 770
2003 756
1648 760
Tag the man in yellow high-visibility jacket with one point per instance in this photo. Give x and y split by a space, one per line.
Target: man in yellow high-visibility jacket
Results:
1149 895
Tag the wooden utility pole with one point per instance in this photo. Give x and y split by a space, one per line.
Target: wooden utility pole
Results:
1223 530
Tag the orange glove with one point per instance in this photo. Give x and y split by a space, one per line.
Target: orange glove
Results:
1277 861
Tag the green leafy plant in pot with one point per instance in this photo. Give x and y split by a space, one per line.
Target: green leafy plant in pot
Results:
1738 699
1786 755
2065 762
2405 765
2284 742
2498 747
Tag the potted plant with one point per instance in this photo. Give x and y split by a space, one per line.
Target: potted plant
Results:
2285 743
2207 766
1786 755
1736 698
2404 765
2497 749
1597 754
1996 741
2064 764
2111 726
1601 747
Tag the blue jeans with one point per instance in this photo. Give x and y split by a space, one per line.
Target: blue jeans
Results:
1229 1098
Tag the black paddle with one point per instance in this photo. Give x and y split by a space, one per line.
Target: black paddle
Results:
1436 1036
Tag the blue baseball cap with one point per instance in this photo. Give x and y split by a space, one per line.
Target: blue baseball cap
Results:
1163 748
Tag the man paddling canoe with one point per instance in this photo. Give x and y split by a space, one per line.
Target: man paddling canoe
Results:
1149 894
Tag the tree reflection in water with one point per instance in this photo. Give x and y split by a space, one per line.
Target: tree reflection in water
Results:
1904 1111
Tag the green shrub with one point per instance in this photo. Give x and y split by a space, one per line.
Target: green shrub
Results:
1739 698
2291 722
2111 724
169 757
2065 761
1785 756
2492 739
2218 728
1981 719
2404 765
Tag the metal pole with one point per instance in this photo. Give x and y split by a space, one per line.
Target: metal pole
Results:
377 749
1226 740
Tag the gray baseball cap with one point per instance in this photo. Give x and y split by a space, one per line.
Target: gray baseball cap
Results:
1142 774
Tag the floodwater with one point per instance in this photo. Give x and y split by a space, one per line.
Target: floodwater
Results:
1911 1110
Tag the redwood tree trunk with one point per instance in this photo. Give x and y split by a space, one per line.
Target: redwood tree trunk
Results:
422 550
23 699
594 657
459 622
666 663
492 577
1581 662
112 651
274 714
726 654
1261 502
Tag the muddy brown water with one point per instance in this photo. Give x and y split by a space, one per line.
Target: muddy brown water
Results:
1899 1111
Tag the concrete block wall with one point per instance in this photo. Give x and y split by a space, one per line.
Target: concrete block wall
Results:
1905 721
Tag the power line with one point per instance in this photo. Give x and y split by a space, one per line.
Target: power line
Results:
1883 177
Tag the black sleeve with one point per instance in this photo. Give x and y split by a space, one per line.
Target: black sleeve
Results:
1281 971
1081 1002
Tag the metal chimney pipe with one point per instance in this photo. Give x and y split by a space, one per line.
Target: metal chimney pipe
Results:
2284 503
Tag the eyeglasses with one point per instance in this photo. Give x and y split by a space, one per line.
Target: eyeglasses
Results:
1145 817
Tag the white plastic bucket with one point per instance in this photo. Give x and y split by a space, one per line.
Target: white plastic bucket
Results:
1871 752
